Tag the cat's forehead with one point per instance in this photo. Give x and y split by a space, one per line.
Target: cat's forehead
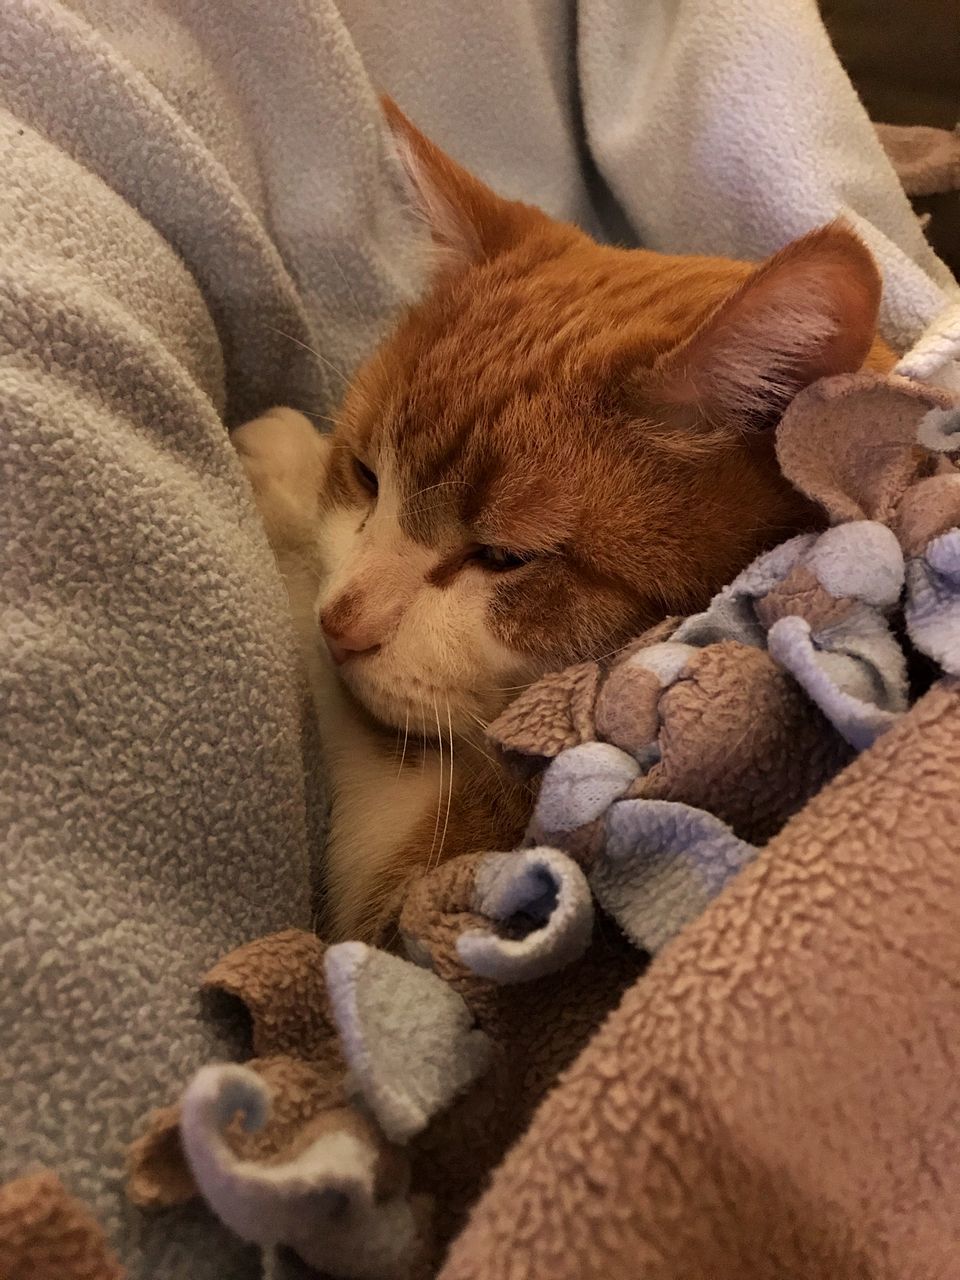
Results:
497 473
497 401
512 329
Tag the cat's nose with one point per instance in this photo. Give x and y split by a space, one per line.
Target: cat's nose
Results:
345 642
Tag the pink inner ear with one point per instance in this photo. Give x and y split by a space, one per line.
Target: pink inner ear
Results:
809 312
437 200
466 218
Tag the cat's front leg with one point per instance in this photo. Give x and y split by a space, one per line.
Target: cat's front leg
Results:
410 825
286 460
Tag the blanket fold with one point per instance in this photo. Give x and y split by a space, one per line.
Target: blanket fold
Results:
778 1096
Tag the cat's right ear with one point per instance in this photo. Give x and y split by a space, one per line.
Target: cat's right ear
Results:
808 312
468 222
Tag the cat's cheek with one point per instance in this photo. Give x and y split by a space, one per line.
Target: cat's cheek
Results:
490 669
337 535
442 658
531 613
548 622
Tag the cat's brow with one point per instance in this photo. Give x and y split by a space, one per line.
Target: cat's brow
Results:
540 526
441 484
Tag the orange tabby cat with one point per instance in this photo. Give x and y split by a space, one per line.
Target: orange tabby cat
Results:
561 444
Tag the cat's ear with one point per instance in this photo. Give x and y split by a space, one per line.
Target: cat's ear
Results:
808 312
468 222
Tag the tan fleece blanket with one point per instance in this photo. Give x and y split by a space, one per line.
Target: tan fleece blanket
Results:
779 1095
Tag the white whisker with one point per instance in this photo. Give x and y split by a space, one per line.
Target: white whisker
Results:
316 354
441 484
497 770
314 413
436 829
423 731
343 276
485 754
406 735
589 657
611 653
446 821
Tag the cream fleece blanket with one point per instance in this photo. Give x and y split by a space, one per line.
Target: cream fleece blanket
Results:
195 194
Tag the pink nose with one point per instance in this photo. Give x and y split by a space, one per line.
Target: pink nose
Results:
345 642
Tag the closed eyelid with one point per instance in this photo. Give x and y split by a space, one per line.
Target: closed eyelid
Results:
442 574
533 547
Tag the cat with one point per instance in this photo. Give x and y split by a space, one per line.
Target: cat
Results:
560 445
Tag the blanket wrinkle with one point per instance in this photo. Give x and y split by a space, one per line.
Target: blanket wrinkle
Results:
763 1130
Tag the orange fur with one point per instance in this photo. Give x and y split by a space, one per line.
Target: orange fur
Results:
602 414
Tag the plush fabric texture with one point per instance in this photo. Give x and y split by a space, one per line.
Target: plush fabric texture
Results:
334 1199
927 160
540 912
698 148
408 1038
418 1067
759 70
854 901
778 1096
47 1235
652 897
904 62
197 198
341 1206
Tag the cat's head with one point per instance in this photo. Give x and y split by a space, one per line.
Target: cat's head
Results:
561 444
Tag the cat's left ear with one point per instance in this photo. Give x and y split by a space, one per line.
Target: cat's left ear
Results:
808 312
468 221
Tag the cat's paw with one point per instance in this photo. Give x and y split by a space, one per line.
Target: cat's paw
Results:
282 445
286 460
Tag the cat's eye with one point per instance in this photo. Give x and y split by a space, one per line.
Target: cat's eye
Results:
499 559
366 477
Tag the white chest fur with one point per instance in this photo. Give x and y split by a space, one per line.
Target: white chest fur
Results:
375 805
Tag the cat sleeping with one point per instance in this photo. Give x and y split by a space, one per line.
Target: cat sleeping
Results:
560 445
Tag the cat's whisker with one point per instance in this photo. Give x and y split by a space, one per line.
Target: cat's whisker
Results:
496 769
446 821
313 413
498 775
436 829
406 736
415 509
316 354
441 484
347 285
590 657
423 729
611 653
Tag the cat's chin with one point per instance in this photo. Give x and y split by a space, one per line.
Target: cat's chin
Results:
423 709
